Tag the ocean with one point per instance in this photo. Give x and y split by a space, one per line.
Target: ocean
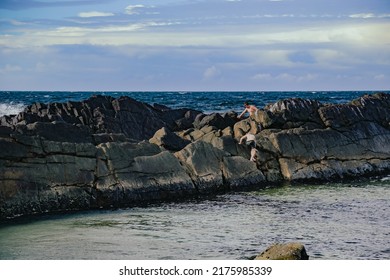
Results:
335 221
12 102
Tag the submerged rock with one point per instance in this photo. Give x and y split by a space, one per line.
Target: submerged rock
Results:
107 152
288 251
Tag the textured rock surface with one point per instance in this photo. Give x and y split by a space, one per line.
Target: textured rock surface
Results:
168 140
288 251
107 152
101 114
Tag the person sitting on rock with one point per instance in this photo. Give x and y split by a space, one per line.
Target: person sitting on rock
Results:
251 109
250 140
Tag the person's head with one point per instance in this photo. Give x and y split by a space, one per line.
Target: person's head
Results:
246 104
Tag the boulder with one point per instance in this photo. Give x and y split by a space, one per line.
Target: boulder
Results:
288 251
246 126
222 140
187 121
291 113
330 154
138 121
203 163
168 140
368 108
239 173
216 120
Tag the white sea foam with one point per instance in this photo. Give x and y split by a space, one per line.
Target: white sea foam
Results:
385 179
11 108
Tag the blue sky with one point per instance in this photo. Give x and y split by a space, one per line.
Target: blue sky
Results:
145 45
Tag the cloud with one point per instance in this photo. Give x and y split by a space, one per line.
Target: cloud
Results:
369 15
301 57
31 4
365 15
276 46
211 72
10 68
262 76
131 9
15 22
94 14
197 42
104 35
285 77
380 77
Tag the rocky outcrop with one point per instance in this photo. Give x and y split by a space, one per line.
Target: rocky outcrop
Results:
353 140
101 114
288 251
106 152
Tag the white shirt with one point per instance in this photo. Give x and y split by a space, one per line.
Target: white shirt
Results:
250 137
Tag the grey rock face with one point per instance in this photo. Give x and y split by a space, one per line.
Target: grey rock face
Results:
168 140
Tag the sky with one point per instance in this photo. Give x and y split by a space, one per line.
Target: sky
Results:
194 45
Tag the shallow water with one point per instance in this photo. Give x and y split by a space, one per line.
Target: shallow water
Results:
333 221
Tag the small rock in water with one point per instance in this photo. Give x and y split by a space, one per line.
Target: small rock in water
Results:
288 251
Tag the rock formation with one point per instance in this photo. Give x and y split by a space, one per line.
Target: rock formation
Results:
106 152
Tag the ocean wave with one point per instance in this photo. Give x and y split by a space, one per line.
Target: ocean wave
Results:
11 108
385 179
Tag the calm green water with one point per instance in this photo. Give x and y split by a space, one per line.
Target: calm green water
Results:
334 221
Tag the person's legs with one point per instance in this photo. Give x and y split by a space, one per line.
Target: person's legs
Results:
253 154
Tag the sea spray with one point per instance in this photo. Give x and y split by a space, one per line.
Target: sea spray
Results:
11 108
